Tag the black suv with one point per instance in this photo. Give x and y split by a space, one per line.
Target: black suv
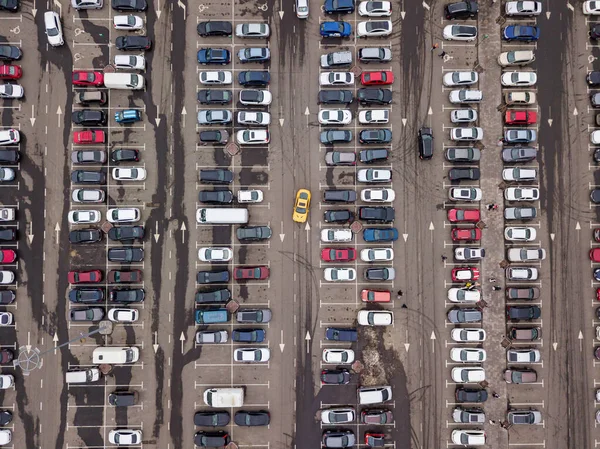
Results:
214 96
213 296
127 295
215 196
86 295
123 398
132 43
371 95
214 136
88 177
461 10
375 136
129 5
123 155
376 214
339 196
253 233
216 176
9 156
210 277
216 28
126 233
91 235
88 117
458 174
212 418
527 313
374 155
425 143
126 254
335 96
254 78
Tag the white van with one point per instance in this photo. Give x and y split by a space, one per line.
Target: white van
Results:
224 397
53 29
221 215
131 81
374 395
83 376
116 355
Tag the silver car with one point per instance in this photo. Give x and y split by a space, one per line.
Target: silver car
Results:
468 416
86 4
211 337
520 135
87 314
214 116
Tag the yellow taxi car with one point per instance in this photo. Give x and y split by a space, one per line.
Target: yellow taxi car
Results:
301 207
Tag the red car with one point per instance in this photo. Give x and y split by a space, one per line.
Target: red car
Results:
465 234
7 256
377 78
87 137
374 439
245 273
125 277
598 294
83 78
79 277
466 215
338 254
465 274
10 72
520 117
375 296
595 254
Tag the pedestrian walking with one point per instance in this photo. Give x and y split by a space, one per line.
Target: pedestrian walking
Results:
434 46
404 306
400 293
444 258
492 421
489 206
496 288
492 280
496 395
442 54
495 207
468 284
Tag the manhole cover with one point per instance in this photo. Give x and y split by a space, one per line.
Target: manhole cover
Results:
484 384
106 226
106 327
232 306
481 304
105 369
109 69
503 264
357 366
356 227
232 148
505 342
481 225
232 445
356 70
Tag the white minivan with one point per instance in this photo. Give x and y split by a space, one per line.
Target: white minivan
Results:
131 81
221 215
115 355
53 29
374 395
83 376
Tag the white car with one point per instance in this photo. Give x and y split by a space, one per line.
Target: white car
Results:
339 274
370 116
84 216
125 437
123 215
522 194
460 32
338 415
7 277
375 9
463 295
526 355
334 116
376 254
520 233
523 8
252 355
338 356
460 78
519 174
518 79
5 437
469 134
249 196
302 9
374 28
595 137
336 235
215 78
7 174
214 254
463 115
11 91
6 318
129 174
526 254
460 96
336 78
468 374
88 196
130 62
467 355
522 274
123 315
374 175
591 7
516 57
254 118
468 437
467 335
253 137
375 318
9 136
6 381
7 213
469 253
465 194
255 97
128 22
252 30
377 195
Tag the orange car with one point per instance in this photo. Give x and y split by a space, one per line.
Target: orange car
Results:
375 296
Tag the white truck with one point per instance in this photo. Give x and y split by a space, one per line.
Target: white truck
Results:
224 397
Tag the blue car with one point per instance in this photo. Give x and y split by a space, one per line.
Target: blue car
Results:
380 235
521 33
339 6
335 29
214 56
248 335
341 334
128 116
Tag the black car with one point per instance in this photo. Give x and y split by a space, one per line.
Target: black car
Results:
6 417
470 395
253 233
127 254
214 296
91 235
597 155
215 28
133 43
374 155
335 376
9 156
253 418
10 53
528 313
370 95
337 196
212 439
375 136
212 419
123 155
123 398
7 296
461 10
338 216
126 233
594 31
215 196
457 174
335 96
129 5
214 96
88 117
379 274
127 295
248 335
9 5
425 143
376 214
88 177
86 295
211 277
216 176
341 334
593 79
254 78
8 235
214 136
